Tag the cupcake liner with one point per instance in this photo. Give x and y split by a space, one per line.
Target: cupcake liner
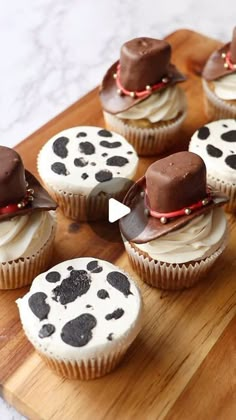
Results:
170 276
146 141
217 108
85 369
226 188
21 272
84 208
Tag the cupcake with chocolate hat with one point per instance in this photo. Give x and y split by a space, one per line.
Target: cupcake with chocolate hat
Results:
219 82
27 228
141 98
176 229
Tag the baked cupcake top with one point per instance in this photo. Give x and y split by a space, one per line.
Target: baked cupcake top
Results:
144 68
81 308
78 159
172 193
216 144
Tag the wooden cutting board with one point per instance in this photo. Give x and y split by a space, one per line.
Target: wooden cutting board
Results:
183 364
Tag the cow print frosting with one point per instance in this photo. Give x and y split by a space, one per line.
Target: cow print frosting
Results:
78 159
218 149
81 308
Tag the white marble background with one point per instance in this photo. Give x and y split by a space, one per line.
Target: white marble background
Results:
55 51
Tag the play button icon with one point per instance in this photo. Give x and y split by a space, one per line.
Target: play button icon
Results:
116 210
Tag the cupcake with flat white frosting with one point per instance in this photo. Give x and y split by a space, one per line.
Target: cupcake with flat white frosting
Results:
176 230
27 227
81 316
219 82
83 167
140 96
216 144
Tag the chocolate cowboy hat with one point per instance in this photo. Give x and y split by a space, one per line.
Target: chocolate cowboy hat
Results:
221 62
171 194
144 67
20 191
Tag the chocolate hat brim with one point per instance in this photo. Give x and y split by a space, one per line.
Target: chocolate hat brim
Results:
214 67
42 200
140 228
114 103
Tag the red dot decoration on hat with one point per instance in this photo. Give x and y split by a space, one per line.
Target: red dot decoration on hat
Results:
228 64
12 208
164 217
141 93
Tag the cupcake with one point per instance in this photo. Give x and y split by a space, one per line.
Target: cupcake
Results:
219 82
82 167
216 144
81 316
140 96
27 227
176 229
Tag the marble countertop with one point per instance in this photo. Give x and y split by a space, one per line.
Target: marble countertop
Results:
55 51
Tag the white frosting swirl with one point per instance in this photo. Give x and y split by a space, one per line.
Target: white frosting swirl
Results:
160 106
23 236
197 240
225 87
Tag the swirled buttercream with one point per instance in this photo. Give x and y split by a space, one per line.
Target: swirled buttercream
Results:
225 87
23 236
197 240
160 106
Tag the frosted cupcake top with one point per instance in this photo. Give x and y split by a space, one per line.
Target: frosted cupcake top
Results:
81 308
79 159
216 144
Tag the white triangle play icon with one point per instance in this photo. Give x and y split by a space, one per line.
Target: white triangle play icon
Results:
116 210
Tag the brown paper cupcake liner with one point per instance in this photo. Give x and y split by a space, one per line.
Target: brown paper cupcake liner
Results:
146 141
215 107
170 276
19 273
226 188
84 208
85 369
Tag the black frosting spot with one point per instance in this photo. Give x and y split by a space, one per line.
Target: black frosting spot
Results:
59 168
38 305
110 337
81 134
120 282
130 152
77 284
84 175
46 330
224 125
103 176
104 133
78 331
118 313
203 133
53 276
59 147
117 161
110 144
88 306
93 164
87 148
231 161
105 154
214 151
80 162
70 268
102 294
94 267
229 136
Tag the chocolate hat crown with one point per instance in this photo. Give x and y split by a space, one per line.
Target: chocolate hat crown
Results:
20 191
143 61
12 177
176 182
221 62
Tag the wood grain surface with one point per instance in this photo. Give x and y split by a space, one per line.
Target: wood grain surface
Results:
183 364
